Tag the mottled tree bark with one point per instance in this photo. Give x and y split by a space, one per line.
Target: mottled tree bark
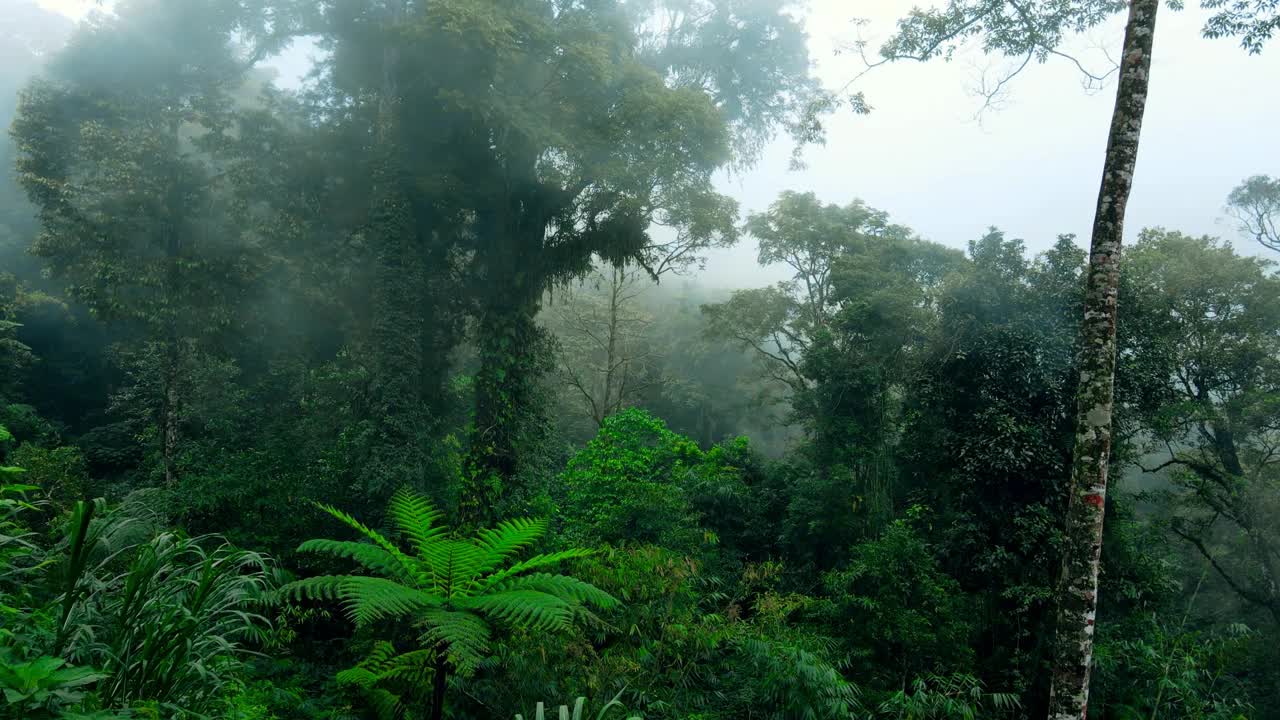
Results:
1078 593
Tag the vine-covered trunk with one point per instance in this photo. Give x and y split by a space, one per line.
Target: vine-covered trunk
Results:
514 354
172 238
1078 591
397 326
512 361
170 419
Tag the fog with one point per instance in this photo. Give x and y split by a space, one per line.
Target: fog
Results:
936 160
444 359
1032 165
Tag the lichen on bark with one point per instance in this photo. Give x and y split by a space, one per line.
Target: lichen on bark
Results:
1078 593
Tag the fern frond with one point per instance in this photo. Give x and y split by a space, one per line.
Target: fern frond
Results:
366 599
372 535
416 518
368 555
324 587
524 608
414 668
507 539
358 677
453 565
386 704
464 634
533 563
380 657
369 599
567 588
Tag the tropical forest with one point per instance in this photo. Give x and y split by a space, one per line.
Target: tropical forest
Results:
639 360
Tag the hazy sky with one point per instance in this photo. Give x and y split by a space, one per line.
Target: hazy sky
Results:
1031 166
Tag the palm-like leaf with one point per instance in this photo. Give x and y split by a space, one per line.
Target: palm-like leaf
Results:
416 518
464 634
533 563
452 587
569 589
524 608
382 669
507 539
373 536
370 556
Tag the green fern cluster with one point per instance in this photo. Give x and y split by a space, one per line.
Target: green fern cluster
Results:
451 587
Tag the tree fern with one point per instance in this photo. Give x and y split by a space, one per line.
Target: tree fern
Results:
452 588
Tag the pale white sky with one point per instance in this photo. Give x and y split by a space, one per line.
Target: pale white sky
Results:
74 9
1031 166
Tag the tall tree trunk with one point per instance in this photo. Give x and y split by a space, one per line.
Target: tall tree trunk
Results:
173 337
397 327
514 354
169 446
513 358
612 404
439 684
1078 592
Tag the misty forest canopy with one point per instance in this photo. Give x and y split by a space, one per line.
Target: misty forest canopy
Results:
396 395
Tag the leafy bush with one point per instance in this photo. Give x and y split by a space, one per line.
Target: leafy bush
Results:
900 615
118 616
947 697
630 484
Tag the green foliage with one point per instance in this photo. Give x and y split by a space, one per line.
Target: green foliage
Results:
796 683
839 337
14 355
166 620
987 439
42 687
247 295
631 483
1210 407
1169 671
452 588
947 697
901 616
60 472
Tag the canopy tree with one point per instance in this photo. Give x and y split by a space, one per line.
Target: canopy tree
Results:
134 218
837 336
1029 31
1255 204
545 136
1202 366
